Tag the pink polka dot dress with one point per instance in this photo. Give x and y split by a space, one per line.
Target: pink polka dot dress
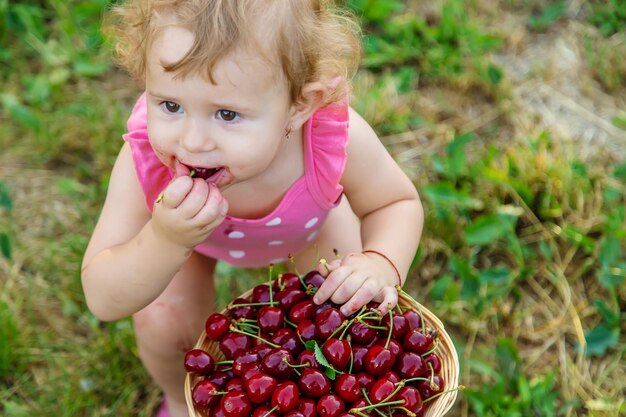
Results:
297 219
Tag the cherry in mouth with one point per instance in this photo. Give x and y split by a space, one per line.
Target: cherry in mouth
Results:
204 173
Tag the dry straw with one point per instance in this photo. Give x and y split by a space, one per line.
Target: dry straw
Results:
449 360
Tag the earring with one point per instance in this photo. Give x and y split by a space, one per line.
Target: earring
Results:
287 132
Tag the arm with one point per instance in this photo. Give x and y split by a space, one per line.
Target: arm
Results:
391 215
132 256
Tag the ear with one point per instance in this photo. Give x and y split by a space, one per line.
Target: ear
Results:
312 97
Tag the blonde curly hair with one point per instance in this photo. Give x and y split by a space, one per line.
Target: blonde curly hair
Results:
311 40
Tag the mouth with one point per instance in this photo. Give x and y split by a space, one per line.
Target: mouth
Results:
202 172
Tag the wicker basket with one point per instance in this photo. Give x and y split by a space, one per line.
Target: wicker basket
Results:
446 351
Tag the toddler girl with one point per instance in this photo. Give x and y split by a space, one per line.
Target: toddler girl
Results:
242 149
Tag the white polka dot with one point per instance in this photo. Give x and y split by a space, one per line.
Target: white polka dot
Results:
311 236
237 254
311 223
276 242
274 222
236 235
277 261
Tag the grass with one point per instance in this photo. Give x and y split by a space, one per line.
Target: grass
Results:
523 256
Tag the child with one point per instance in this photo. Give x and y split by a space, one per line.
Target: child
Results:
240 150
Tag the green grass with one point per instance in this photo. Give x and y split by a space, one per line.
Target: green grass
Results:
523 256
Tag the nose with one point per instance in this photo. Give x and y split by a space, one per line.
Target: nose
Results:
196 136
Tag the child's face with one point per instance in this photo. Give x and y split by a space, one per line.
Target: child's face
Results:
236 125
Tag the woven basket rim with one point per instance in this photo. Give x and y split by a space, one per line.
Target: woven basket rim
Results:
445 350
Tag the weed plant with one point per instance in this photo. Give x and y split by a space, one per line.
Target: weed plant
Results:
523 256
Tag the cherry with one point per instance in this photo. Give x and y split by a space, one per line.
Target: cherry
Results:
325 306
234 384
381 390
235 404
330 405
348 387
242 359
307 407
313 278
434 361
411 397
410 365
378 360
241 308
216 326
337 352
361 333
417 341
219 378
275 363
302 311
270 319
204 173
327 322
233 343
391 375
199 361
289 297
249 372
285 397
204 394
295 413
287 280
217 411
260 387
429 388
414 320
400 325
308 357
393 346
366 380
358 353
262 350
313 383
306 330
288 339
264 411
261 294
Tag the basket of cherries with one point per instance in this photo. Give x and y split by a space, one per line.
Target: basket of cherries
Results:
274 353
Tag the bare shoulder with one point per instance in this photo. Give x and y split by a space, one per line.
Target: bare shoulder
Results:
124 212
372 178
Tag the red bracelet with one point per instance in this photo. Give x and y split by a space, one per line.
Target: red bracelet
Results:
388 260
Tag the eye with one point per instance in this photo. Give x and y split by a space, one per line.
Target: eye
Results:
171 107
227 115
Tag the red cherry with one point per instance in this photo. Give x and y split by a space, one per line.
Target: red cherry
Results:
242 359
233 343
325 306
361 333
199 361
260 388
286 396
302 311
429 388
235 404
216 326
394 347
287 280
411 397
313 278
262 350
391 375
306 330
330 405
337 352
264 411
261 294
295 413
288 339
327 322
313 383
378 360
289 297
410 365
308 357
400 325
249 372
348 387
366 380
274 363
204 394
219 378
243 309
413 319
270 319
358 353
382 390
217 411
417 341
307 407
234 384
434 361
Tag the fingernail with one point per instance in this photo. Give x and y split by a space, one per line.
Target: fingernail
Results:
316 300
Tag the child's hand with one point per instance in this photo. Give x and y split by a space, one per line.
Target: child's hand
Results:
188 210
355 280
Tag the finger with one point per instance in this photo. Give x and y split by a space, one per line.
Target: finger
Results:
176 192
195 199
330 284
390 299
362 296
353 283
326 268
182 170
214 209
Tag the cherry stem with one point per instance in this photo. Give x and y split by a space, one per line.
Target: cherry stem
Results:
370 402
434 348
459 388
294 325
380 404
224 362
344 324
271 268
292 261
325 265
284 359
390 325
270 411
269 303
192 172
349 340
417 378
236 330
